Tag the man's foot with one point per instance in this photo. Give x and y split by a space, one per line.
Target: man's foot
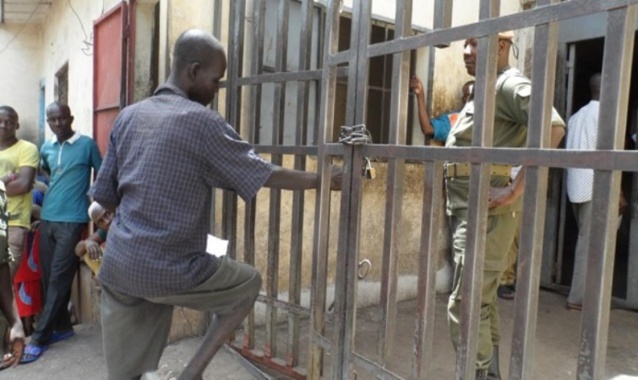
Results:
506 292
32 353
58 336
573 306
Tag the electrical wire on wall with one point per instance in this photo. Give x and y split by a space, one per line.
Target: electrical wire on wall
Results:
21 27
88 39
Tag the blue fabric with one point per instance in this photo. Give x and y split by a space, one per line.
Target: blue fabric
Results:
38 197
441 126
70 165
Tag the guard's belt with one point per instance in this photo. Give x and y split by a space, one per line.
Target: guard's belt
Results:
463 169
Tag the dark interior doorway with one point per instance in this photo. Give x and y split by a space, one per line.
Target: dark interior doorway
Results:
589 60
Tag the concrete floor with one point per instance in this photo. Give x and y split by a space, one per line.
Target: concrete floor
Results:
556 347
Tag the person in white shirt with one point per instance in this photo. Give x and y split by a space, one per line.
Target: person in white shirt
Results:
582 134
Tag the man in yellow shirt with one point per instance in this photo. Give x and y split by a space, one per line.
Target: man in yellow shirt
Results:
19 160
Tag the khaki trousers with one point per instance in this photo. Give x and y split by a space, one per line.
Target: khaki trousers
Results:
500 235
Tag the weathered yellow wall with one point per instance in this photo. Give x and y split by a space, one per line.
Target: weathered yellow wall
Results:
372 219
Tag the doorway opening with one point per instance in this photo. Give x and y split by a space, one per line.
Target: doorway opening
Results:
589 61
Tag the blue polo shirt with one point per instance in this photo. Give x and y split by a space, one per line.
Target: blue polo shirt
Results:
70 165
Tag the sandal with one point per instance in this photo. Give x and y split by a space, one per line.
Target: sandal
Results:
32 353
505 292
60 335
573 306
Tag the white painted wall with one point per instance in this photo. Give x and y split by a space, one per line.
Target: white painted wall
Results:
67 38
20 74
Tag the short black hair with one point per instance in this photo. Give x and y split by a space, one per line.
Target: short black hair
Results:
196 46
61 106
10 110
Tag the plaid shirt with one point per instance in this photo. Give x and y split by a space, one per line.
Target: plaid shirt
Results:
165 156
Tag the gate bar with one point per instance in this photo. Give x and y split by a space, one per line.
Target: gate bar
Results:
322 215
297 223
394 185
482 136
428 262
274 213
250 209
486 27
535 200
617 60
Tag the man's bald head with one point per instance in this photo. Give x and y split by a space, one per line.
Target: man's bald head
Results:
196 46
199 63
594 86
63 108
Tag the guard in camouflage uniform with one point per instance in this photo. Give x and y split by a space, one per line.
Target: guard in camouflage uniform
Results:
512 93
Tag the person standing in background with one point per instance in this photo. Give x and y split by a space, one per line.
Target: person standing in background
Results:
68 158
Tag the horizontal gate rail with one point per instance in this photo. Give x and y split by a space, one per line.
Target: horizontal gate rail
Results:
529 18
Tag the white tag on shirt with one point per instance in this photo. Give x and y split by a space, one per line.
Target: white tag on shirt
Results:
216 246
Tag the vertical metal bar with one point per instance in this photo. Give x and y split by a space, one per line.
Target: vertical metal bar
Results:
274 216
560 254
428 262
482 135
535 200
632 264
322 213
250 210
235 61
217 19
301 137
443 12
619 44
349 227
394 184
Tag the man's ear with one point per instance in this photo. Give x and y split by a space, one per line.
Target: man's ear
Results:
17 126
193 69
71 118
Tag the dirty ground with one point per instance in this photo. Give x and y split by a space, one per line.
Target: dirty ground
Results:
556 347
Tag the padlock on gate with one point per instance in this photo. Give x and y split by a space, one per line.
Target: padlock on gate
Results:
369 172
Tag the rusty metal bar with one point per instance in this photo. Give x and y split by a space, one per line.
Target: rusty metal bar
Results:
482 136
348 246
541 15
394 185
614 99
373 368
322 213
428 262
298 202
235 59
443 18
600 159
307 150
274 215
250 209
535 200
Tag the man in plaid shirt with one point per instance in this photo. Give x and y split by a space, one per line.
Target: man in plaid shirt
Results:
166 154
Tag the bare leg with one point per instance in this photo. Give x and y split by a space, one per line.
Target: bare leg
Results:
219 330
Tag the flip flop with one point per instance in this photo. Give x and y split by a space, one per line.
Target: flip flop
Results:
60 335
32 353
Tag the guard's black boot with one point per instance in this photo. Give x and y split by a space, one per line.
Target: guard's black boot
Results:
494 371
481 374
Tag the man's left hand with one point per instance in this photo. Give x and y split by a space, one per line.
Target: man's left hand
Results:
501 196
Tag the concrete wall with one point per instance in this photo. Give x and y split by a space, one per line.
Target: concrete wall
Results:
20 74
67 38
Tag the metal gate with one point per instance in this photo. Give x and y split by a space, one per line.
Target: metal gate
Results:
327 349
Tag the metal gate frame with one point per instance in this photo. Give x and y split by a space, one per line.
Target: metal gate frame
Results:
607 161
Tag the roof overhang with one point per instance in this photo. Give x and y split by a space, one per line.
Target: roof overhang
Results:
23 11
